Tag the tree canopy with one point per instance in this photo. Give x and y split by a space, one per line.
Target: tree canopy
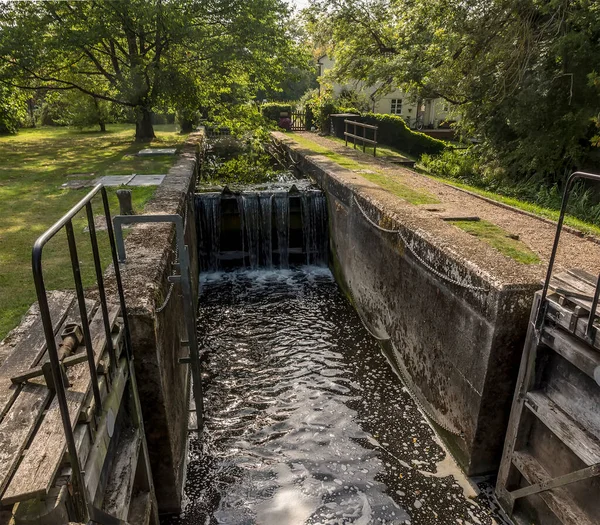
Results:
521 72
144 54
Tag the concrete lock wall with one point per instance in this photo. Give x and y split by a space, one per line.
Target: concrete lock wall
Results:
457 348
163 383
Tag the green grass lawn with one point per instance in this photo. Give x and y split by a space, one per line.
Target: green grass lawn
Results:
33 166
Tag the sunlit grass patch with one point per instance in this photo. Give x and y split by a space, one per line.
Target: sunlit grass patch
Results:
33 166
499 239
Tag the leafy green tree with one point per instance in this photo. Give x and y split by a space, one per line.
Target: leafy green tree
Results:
145 53
84 111
13 109
517 70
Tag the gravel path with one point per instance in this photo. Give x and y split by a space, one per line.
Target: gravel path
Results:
537 234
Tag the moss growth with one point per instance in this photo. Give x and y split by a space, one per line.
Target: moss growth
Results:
387 182
499 239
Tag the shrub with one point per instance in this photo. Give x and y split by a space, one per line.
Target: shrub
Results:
394 132
320 107
285 123
460 165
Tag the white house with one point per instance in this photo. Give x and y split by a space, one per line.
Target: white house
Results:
432 111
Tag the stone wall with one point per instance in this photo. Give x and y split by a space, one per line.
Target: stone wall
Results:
457 347
163 383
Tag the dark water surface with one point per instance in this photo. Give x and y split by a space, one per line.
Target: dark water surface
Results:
306 423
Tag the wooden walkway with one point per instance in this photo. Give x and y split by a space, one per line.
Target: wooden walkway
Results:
34 469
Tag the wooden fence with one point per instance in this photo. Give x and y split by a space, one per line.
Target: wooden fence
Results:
362 138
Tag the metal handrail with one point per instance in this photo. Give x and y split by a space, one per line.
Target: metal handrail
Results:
362 138
541 313
84 509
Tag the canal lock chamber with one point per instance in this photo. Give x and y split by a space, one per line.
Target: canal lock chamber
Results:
306 419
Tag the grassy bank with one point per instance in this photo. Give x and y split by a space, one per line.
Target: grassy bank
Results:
35 163
462 169
367 170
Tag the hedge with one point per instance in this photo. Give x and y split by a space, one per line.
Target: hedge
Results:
272 110
394 132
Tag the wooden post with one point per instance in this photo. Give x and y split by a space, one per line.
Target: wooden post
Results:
346 131
375 145
364 137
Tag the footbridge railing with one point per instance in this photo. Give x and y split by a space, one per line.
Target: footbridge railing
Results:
80 396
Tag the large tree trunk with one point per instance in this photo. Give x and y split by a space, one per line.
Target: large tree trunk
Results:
143 127
187 126
102 125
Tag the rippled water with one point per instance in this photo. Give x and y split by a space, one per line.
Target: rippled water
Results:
305 421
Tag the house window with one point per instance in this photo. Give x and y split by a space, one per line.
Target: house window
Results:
396 108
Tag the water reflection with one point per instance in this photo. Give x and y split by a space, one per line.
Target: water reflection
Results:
306 422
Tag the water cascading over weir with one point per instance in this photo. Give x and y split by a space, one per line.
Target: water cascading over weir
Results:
277 226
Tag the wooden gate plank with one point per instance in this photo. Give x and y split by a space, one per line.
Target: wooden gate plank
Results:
18 426
558 500
36 473
120 485
30 347
27 406
564 427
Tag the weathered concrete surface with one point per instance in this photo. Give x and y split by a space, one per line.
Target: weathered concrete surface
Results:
459 348
163 383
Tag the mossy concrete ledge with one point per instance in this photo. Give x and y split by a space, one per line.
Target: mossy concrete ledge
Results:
163 383
457 346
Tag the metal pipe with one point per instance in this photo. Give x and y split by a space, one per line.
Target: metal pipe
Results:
188 301
83 509
79 495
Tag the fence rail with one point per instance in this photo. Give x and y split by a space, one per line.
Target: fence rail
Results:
362 138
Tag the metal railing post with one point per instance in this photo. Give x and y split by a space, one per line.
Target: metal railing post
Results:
83 509
85 323
563 210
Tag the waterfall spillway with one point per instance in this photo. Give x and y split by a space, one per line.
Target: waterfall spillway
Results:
261 229
266 224
208 228
314 226
282 223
